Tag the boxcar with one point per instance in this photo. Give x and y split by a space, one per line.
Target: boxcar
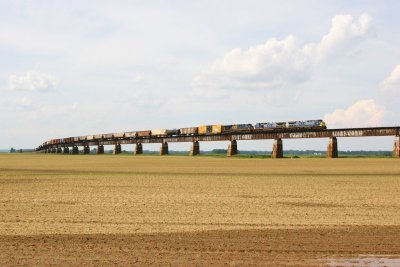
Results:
130 134
205 129
173 132
189 130
108 136
217 129
118 135
159 132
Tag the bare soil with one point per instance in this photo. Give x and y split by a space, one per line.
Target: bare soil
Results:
181 211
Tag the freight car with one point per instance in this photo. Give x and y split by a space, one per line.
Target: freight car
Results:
130 134
189 130
146 133
165 132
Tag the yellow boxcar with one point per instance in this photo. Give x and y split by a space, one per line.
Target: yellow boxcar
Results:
206 129
217 129
203 129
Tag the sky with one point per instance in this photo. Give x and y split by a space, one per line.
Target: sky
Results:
71 68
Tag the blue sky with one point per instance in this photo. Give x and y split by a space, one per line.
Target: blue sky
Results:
73 68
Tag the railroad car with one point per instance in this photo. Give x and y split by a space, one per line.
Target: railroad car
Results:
313 124
69 140
270 125
173 132
159 132
98 136
165 132
90 137
237 127
189 130
144 133
217 128
76 139
205 129
130 134
118 135
108 136
82 138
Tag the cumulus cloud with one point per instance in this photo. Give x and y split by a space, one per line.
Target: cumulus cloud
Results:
391 85
32 81
363 113
278 63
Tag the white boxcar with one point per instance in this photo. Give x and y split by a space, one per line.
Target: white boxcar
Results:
107 136
118 135
98 136
189 130
90 137
130 134
159 132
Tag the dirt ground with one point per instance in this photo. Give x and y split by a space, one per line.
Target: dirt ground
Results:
124 210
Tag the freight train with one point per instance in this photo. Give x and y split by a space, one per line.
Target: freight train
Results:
200 130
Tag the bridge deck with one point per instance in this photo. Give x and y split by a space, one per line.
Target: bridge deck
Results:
249 135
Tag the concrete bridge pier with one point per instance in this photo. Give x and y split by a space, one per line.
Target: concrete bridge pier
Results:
86 150
100 149
195 150
396 147
75 150
332 150
164 148
232 149
117 149
66 150
277 149
54 150
59 150
139 149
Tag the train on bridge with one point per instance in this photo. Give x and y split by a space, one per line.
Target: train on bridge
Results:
200 130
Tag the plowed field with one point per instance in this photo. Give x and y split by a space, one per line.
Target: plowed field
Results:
148 210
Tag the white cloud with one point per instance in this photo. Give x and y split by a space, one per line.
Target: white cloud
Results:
391 85
343 32
363 113
279 63
32 81
18 104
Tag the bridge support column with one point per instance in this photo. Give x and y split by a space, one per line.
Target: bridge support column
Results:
332 150
54 150
86 150
66 150
139 149
75 150
195 150
100 149
396 147
117 149
277 149
232 149
164 148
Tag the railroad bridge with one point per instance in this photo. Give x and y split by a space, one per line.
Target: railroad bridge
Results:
276 135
